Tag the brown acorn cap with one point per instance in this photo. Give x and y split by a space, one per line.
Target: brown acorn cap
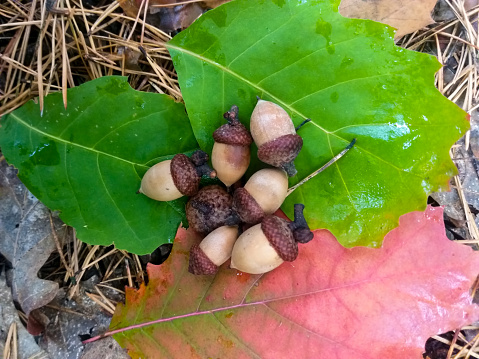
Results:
199 263
184 175
248 210
280 237
281 152
209 209
236 135
234 132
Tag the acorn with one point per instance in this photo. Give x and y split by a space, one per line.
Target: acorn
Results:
213 250
274 133
175 178
209 209
263 194
267 245
231 150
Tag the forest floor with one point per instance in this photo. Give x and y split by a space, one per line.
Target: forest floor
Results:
99 40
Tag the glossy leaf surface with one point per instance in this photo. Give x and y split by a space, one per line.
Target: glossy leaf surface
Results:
87 160
332 302
352 81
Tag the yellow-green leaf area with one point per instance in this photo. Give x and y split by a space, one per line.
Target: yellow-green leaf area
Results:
349 77
87 160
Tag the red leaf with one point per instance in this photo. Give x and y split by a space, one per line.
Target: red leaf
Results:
332 302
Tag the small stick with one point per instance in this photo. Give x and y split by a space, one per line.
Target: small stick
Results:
302 124
128 273
139 271
65 65
454 340
14 342
110 271
334 159
105 299
97 300
143 23
59 247
7 348
75 253
111 288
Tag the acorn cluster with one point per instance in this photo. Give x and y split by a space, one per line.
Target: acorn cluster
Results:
238 222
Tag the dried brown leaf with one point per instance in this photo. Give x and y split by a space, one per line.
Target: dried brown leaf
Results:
405 15
27 348
26 240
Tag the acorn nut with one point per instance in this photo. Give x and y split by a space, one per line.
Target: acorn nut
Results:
231 150
175 178
267 245
213 251
263 194
209 209
274 133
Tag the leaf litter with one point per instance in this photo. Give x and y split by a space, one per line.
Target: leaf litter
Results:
98 46
15 341
27 241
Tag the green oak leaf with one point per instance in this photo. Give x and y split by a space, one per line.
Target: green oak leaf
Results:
348 76
87 160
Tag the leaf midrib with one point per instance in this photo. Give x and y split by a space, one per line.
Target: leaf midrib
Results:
291 109
59 139
285 105
241 78
235 306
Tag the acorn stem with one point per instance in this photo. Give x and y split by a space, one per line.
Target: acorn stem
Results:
299 227
302 124
200 160
232 115
299 220
233 220
290 169
330 162
206 170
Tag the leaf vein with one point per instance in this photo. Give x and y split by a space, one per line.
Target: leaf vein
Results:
206 292
71 186
299 325
224 30
241 78
112 199
80 115
113 130
173 290
341 176
153 340
188 339
291 18
59 139
237 339
388 163
305 57
339 84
